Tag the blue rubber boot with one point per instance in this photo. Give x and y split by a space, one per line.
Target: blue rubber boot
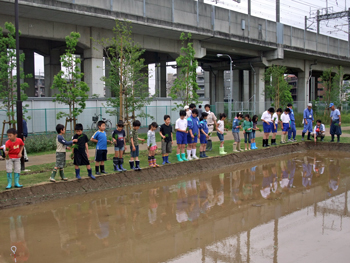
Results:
116 164
90 174
77 174
167 159
137 168
121 161
255 146
17 185
9 181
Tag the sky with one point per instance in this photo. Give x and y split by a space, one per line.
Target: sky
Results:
293 13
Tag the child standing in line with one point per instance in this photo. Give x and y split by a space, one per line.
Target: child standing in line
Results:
62 145
181 136
152 145
236 125
275 120
14 147
255 128
285 119
247 130
134 146
203 129
166 132
192 136
118 138
81 152
220 127
100 137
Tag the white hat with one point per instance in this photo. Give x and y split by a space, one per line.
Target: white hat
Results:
309 104
186 107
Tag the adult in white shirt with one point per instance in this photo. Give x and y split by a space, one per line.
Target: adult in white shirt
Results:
266 118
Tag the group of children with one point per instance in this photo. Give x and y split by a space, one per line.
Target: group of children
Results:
189 129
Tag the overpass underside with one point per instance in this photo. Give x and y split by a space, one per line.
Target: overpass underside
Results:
253 44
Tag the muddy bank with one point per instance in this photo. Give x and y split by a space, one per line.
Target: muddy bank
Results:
50 191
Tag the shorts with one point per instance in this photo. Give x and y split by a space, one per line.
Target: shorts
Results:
60 159
190 140
101 155
273 129
167 147
267 127
181 137
135 153
118 148
252 134
285 127
203 139
81 159
236 136
14 164
221 136
153 148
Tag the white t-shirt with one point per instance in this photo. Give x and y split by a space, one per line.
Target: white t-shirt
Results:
275 116
285 118
221 126
181 124
266 116
188 113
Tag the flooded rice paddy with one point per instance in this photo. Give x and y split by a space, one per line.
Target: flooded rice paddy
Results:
290 209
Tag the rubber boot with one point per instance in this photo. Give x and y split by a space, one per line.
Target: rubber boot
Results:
9 181
137 168
155 162
121 161
255 146
183 156
62 175
222 150
102 168
116 164
263 143
209 145
267 143
302 136
90 174
201 155
252 146
132 165
239 147
332 140
163 157
17 185
338 138
205 155
234 147
308 136
179 158
150 161
167 159
77 174
53 174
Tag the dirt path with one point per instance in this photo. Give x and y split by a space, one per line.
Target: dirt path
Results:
50 158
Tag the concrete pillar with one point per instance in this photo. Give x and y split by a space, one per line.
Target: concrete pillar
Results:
246 87
220 91
236 96
303 97
108 92
212 81
206 84
163 79
93 71
52 66
260 90
29 68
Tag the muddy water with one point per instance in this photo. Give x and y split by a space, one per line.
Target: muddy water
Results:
291 209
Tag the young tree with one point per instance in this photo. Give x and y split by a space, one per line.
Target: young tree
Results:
185 85
127 78
277 87
8 79
72 91
333 86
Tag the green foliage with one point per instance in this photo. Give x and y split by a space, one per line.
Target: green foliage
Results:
127 79
72 91
8 81
333 86
185 85
277 87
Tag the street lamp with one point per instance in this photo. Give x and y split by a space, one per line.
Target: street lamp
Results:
231 89
18 69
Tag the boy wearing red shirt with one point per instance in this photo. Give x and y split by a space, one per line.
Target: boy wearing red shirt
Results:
14 147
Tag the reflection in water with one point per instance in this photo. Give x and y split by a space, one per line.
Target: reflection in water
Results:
246 215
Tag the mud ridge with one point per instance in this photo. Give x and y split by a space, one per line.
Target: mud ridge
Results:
50 191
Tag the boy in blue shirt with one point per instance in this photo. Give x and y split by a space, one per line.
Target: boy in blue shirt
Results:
100 137
292 129
192 137
204 136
